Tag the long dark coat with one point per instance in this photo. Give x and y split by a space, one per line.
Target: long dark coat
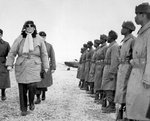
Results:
80 67
92 67
48 80
4 74
124 68
88 63
111 67
83 65
138 97
100 56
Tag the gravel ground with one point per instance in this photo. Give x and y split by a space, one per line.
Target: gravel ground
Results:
64 102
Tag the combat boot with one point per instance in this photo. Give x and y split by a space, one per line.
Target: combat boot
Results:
111 108
3 94
43 95
38 100
104 104
96 97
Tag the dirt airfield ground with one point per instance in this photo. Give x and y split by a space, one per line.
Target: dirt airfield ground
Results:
64 101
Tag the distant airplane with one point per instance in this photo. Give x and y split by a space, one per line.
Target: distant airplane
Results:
73 64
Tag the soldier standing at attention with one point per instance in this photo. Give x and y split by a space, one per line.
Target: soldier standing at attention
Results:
125 66
93 65
138 89
79 68
47 79
89 55
110 71
100 56
83 85
4 74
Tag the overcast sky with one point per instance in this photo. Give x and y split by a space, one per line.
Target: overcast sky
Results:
68 23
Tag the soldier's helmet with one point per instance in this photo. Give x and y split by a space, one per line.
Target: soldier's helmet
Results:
129 25
143 8
103 37
42 33
113 35
97 41
90 43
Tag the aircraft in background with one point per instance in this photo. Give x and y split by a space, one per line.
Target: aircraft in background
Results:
73 64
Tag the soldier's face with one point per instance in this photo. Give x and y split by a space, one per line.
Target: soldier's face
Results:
138 18
102 41
124 31
95 45
109 40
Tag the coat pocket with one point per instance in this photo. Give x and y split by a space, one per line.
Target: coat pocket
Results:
19 61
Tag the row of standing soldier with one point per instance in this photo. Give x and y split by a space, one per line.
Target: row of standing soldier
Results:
120 74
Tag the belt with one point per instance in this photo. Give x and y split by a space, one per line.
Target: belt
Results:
138 62
99 62
93 61
107 62
124 61
88 60
29 56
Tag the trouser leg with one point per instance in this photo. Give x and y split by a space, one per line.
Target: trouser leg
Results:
3 94
104 101
32 92
110 98
43 95
23 96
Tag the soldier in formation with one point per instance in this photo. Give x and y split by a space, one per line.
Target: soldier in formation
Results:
4 74
121 72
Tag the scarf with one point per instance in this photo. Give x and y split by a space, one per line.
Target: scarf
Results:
28 44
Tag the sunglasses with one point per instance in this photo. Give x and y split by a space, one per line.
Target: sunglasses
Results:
29 25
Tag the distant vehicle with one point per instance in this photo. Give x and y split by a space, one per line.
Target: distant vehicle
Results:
73 64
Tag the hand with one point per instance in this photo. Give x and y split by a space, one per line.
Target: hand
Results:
146 86
46 70
9 68
52 71
132 62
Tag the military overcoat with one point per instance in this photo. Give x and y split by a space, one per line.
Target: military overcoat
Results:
89 55
124 68
138 96
92 68
4 74
48 80
100 56
111 67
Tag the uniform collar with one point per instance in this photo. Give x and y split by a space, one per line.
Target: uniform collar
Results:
102 45
144 28
127 38
112 43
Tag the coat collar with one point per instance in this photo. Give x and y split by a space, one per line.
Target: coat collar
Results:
104 44
1 41
144 28
112 43
127 38
98 48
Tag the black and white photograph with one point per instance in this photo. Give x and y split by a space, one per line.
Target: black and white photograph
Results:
74 60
